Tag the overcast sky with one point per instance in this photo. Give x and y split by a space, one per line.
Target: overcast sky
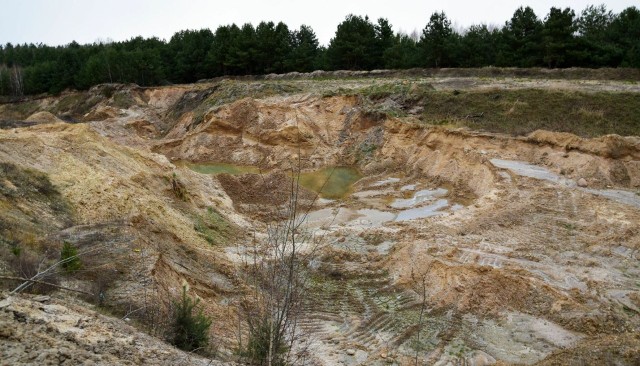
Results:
57 22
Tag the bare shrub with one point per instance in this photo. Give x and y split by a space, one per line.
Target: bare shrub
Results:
277 275
28 265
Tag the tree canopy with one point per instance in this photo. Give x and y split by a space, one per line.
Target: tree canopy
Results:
594 37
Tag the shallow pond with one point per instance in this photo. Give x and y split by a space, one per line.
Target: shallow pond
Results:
332 182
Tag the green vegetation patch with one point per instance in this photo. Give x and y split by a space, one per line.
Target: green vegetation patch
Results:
29 206
69 258
76 104
122 100
519 112
514 112
31 185
189 325
230 91
212 227
18 111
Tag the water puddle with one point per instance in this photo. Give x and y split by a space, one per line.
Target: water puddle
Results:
531 171
384 182
537 172
625 197
370 217
419 197
434 209
328 217
408 187
332 182
419 204
371 193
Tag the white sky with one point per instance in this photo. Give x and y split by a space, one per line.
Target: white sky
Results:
57 22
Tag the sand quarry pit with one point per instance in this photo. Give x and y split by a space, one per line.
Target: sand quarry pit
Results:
515 249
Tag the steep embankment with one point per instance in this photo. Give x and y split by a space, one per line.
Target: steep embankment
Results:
44 331
145 239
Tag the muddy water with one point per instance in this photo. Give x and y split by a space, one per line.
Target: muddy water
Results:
420 204
331 182
337 182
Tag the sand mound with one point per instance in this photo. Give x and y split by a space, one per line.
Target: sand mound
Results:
609 146
263 196
484 290
101 113
43 117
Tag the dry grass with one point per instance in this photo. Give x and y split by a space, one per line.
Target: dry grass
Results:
519 112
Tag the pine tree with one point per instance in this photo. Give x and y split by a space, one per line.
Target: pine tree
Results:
69 258
190 331
438 42
558 39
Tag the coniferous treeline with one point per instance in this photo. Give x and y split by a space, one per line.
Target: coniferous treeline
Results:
594 38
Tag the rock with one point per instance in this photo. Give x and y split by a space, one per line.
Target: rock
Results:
6 302
479 358
582 182
351 351
42 298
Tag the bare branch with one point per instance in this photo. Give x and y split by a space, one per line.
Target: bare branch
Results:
28 280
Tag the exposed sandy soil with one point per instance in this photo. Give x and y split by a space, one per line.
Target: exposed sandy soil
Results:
529 253
44 331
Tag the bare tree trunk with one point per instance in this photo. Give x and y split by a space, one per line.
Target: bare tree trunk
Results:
17 83
109 70
422 308
27 280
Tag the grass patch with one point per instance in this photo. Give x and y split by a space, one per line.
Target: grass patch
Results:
228 91
519 112
76 105
401 89
26 184
212 227
29 204
122 100
18 111
514 112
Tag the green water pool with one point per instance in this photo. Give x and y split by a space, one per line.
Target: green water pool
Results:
330 182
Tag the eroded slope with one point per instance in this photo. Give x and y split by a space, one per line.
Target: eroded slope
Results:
515 249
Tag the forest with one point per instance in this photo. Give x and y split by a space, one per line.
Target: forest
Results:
593 38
